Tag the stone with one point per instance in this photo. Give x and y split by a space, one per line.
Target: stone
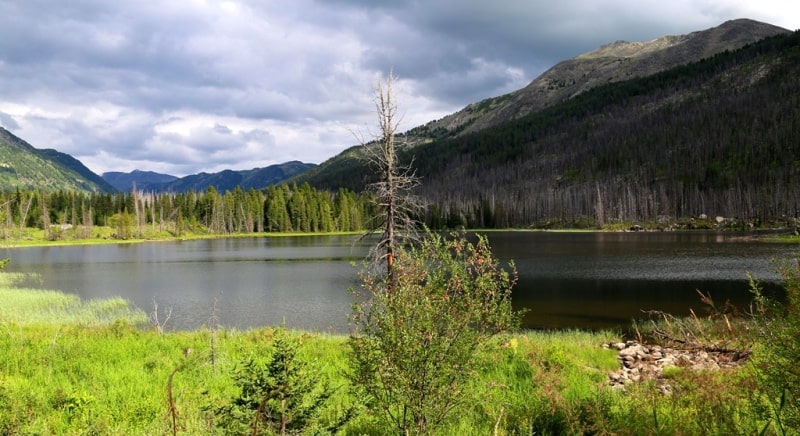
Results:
641 362
632 350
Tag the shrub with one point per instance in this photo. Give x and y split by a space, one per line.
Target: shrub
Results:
283 396
415 340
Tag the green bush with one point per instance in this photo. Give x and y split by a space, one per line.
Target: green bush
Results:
284 396
415 341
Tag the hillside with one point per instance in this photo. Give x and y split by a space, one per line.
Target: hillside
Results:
610 63
227 180
614 62
24 167
715 137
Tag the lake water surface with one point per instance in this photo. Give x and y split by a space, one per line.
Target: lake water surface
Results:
566 280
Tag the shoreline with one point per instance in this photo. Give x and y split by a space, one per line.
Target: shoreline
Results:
31 238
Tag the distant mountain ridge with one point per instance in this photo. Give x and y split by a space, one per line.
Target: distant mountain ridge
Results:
141 179
609 63
226 180
24 167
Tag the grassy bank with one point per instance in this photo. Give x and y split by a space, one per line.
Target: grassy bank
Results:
91 367
32 237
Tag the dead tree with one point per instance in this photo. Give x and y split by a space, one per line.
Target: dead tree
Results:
395 182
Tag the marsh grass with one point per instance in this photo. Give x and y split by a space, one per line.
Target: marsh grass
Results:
36 306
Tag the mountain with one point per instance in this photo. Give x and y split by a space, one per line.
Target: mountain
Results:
142 179
25 167
609 63
226 180
711 137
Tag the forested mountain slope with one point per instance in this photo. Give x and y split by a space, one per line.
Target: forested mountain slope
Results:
609 63
24 167
716 137
614 62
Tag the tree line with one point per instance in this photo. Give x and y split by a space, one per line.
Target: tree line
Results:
279 208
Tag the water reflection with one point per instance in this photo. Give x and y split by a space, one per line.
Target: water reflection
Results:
604 280
586 280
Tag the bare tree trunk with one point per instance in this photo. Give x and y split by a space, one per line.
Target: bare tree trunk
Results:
393 189
23 214
9 218
135 193
45 216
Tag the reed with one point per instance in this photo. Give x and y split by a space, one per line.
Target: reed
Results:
25 306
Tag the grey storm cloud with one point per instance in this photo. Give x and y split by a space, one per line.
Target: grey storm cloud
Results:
182 87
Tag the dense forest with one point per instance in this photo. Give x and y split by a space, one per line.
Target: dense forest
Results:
282 208
719 137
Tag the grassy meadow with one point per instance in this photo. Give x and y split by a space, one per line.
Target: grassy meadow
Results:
97 367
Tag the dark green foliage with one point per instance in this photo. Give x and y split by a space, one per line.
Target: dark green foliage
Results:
415 344
278 209
347 170
283 396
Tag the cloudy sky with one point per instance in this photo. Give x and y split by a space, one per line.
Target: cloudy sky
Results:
184 86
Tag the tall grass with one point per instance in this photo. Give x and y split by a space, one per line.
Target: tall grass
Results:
37 306
74 367
73 379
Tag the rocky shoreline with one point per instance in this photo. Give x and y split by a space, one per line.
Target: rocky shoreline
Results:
640 362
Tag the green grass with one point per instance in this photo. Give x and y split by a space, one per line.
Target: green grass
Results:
32 237
23 306
91 367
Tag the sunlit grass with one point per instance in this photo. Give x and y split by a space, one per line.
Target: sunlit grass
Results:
69 366
74 379
26 306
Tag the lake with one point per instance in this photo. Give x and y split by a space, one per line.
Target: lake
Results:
566 280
